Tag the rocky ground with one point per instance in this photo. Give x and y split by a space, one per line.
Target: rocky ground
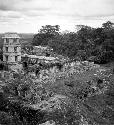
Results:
82 94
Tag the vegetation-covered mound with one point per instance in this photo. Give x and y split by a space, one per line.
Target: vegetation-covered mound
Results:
81 98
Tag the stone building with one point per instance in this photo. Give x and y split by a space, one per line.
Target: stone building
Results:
11 49
42 50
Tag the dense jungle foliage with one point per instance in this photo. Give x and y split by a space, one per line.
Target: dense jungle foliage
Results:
95 44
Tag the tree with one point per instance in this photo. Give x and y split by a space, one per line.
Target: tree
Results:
48 29
84 43
108 25
45 34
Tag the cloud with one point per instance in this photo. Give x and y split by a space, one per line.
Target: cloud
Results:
31 14
10 14
6 5
79 8
5 8
93 7
27 5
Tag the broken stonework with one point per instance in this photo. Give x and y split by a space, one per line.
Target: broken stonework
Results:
16 67
51 122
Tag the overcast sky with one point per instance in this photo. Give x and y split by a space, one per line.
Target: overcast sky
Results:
29 15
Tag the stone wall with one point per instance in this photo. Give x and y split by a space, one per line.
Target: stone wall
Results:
15 67
11 49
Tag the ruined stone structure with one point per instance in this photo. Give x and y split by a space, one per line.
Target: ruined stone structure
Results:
42 51
11 48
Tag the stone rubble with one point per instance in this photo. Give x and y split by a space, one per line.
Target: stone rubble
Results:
51 122
68 70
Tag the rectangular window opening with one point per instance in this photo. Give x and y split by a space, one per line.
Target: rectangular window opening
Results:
15 49
6 49
6 58
16 59
7 40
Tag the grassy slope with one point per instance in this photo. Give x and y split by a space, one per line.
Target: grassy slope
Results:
97 108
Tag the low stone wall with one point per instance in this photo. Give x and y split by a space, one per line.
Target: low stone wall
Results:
15 67
67 70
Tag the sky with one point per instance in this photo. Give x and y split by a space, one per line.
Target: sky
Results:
27 16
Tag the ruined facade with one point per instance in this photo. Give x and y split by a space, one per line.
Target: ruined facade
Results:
11 48
42 51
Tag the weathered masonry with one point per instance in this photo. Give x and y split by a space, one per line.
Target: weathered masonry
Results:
11 48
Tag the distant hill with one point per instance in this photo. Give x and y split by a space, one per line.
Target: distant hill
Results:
26 38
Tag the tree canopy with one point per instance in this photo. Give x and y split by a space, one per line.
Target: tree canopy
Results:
83 44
